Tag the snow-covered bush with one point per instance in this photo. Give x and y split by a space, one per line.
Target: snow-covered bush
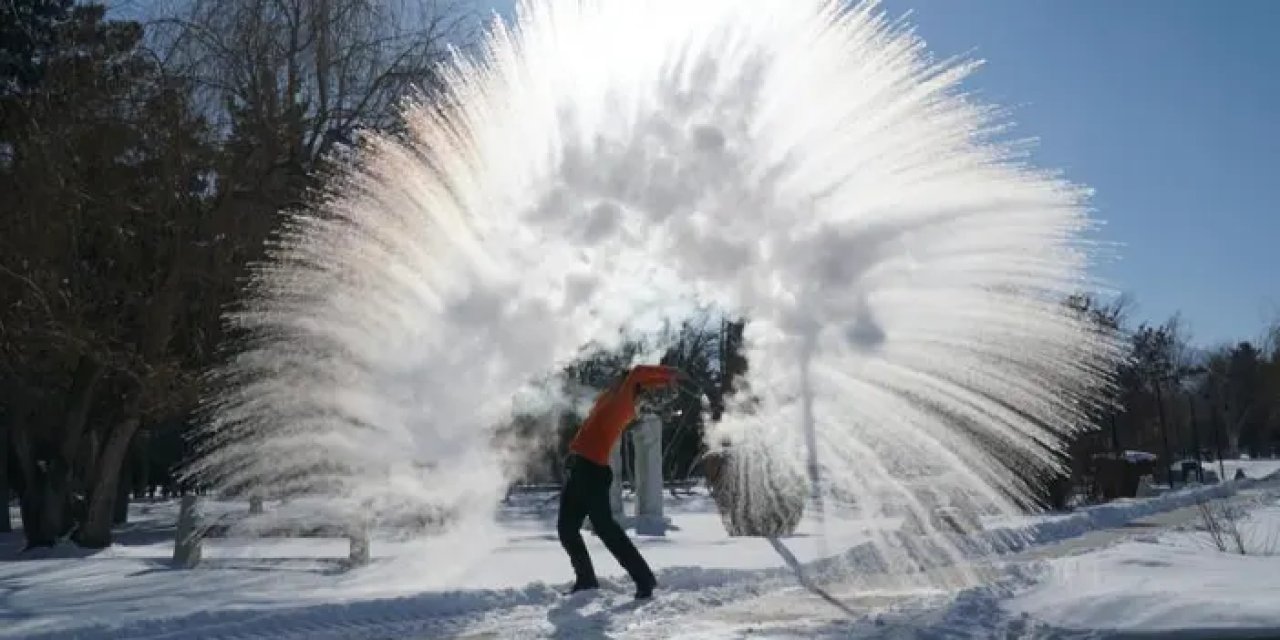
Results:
755 498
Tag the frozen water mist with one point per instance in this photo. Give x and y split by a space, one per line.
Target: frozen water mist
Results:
608 163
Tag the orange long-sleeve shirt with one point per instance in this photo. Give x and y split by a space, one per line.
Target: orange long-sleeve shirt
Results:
614 410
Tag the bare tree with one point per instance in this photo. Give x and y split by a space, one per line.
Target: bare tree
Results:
315 70
285 83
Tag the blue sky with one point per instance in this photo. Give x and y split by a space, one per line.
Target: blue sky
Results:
1170 109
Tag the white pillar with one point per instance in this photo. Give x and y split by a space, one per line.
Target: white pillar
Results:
615 489
186 548
647 439
358 553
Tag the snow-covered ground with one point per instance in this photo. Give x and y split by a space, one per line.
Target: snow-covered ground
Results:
1168 583
472 569
503 581
1159 575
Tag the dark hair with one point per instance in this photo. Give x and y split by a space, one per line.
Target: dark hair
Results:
617 381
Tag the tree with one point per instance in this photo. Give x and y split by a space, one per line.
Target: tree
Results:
1271 383
693 349
1085 448
1246 404
108 174
288 81
286 85
1149 382
27 31
143 183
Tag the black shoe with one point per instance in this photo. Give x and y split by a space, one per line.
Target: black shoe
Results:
645 591
583 586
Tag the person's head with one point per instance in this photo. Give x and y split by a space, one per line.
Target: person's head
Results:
654 399
617 382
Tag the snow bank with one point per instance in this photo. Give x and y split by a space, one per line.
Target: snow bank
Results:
1104 516
1047 529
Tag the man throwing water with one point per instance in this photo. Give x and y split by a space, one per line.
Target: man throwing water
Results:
586 488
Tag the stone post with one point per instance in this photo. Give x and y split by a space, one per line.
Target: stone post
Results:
359 553
186 548
648 481
1145 487
615 489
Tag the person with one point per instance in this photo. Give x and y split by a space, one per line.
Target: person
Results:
586 488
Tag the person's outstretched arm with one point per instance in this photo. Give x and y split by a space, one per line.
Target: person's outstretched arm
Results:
649 375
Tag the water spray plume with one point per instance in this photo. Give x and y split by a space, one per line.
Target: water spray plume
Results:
610 163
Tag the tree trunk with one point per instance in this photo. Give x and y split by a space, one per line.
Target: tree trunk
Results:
120 515
143 482
45 507
95 532
42 501
45 502
127 485
5 524
80 399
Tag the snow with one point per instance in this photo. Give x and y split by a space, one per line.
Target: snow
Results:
1172 582
1260 468
1112 514
510 573
1158 576
503 563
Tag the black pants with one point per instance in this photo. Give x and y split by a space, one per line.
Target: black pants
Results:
586 495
